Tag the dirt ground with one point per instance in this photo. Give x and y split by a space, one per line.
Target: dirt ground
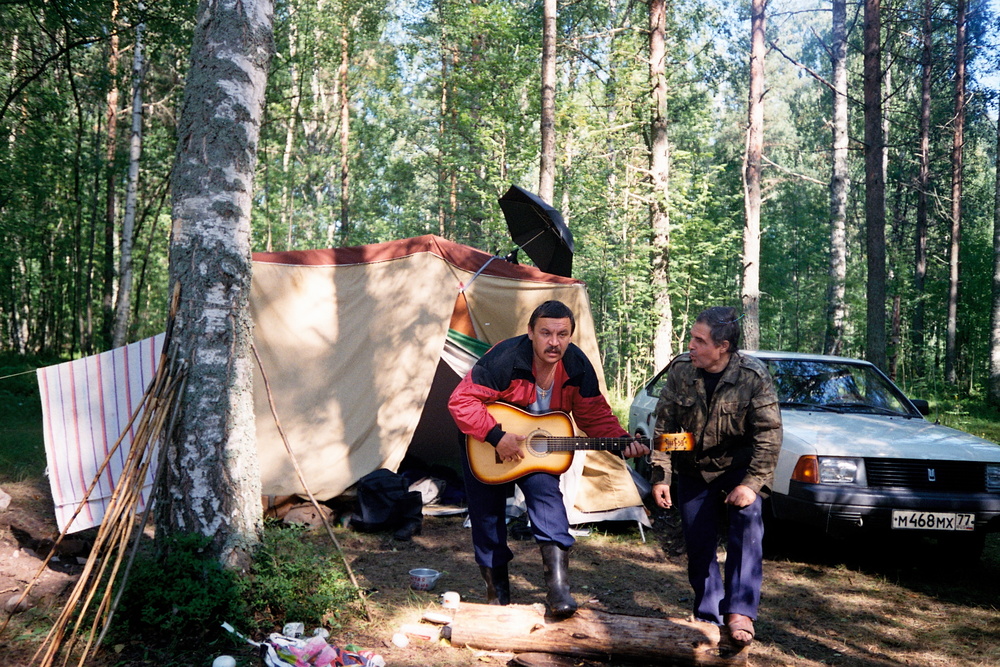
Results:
824 602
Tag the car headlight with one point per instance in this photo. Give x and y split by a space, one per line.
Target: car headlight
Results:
838 470
993 477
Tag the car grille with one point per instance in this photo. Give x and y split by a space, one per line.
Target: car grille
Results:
965 476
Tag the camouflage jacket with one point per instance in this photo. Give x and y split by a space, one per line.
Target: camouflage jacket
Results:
740 429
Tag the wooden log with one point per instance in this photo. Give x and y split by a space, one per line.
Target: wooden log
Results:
593 634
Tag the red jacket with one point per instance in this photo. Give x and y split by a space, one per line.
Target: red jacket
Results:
504 374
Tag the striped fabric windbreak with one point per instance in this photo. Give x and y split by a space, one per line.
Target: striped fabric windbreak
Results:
86 406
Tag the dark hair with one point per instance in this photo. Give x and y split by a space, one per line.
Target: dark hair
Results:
724 325
555 310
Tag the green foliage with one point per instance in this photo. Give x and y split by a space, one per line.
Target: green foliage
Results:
295 578
444 105
183 594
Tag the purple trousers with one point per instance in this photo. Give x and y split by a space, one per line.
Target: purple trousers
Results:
702 511
488 514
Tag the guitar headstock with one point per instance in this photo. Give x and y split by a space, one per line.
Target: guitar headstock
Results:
674 442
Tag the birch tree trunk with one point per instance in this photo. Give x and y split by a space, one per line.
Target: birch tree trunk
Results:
958 139
751 179
659 172
874 185
123 306
994 387
547 163
923 186
285 216
213 482
839 184
345 135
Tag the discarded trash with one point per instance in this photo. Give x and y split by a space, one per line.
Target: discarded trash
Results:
423 578
435 617
421 631
294 630
400 640
224 661
284 651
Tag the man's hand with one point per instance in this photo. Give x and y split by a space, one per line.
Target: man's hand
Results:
634 449
511 447
741 496
661 494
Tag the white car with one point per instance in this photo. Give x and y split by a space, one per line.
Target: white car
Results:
858 454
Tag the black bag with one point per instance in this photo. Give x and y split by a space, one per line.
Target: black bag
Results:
385 502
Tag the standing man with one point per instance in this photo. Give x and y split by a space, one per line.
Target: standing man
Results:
540 371
727 400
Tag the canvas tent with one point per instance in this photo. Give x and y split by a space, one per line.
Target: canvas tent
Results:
363 345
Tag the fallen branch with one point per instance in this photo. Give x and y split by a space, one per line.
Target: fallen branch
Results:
594 634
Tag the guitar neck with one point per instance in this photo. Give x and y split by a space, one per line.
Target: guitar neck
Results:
569 444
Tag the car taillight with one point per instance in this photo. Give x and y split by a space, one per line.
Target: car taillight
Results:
806 470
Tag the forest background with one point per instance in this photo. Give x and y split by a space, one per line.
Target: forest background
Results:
387 119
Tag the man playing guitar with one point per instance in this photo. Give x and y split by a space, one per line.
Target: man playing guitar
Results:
540 371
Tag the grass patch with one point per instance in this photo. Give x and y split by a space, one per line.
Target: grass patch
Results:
970 416
22 449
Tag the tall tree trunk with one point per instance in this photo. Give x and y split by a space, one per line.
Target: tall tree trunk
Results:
76 304
958 139
923 186
994 388
285 216
547 163
123 306
751 179
442 174
839 184
108 288
874 185
345 135
659 171
213 481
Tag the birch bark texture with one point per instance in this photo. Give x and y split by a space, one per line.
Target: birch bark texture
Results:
659 172
751 178
839 185
213 481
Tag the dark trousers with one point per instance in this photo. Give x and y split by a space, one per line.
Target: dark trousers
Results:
488 514
702 506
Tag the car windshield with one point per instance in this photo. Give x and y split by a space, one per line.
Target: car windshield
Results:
837 386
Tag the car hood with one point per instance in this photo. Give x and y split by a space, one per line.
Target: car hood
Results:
844 434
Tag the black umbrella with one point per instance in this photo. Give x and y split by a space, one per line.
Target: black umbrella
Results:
539 230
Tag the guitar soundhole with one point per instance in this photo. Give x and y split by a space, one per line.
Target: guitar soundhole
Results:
538 443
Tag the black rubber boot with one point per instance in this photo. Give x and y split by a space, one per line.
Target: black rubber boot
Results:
408 530
497 584
555 559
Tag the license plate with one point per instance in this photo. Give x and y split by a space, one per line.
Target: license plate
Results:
907 520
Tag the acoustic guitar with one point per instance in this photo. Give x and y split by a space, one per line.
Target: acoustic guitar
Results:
549 444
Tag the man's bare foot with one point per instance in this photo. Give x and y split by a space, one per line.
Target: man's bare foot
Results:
740 628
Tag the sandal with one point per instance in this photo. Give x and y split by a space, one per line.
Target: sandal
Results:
740 629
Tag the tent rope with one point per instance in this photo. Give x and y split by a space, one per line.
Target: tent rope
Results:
302 481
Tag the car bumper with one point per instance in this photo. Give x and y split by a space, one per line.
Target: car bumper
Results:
831 508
